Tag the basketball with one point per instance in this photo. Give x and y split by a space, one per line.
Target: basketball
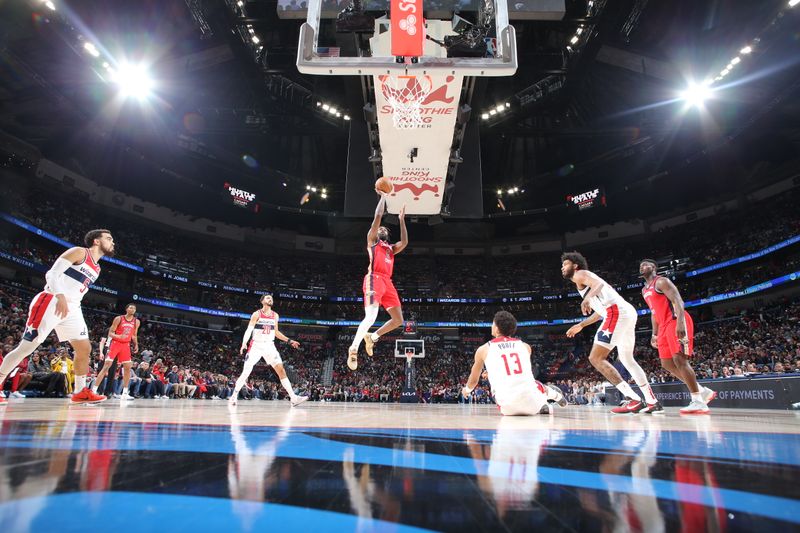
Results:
384 185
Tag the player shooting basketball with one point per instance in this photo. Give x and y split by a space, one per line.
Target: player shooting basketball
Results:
378 287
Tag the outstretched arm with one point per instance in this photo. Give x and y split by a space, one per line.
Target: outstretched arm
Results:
281 336
400 245
574 330
475 373
372 235
249 331
55 277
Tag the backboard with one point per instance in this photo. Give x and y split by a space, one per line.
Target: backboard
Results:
417 108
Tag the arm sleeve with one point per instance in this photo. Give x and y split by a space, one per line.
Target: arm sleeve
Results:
55 276
247 334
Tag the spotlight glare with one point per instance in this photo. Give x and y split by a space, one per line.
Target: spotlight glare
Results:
793 3
319 104
500 108
325 107
324 195
499 192
508 104
256 39
284 184
347 117
579 30
308 187
510 191
485 116
132 80
696 95
492 112
746 50
332 111
574 39
240 3
324 190
736 60
313 189
50 5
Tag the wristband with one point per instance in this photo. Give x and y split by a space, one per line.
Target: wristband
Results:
469 390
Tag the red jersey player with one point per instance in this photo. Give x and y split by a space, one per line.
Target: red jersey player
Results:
378 287
58 307
124 330
673 334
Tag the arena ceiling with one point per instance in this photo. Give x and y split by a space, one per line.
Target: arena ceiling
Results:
602 115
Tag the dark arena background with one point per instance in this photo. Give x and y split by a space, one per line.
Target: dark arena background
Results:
228 150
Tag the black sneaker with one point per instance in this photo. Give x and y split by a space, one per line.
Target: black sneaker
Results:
653 409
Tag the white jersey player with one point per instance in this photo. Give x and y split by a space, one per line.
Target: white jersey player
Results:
261 333
508 363
618 330
58 307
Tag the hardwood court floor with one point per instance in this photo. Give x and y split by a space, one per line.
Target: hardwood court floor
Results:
156 465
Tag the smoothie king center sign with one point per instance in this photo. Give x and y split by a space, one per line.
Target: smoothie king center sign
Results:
419 179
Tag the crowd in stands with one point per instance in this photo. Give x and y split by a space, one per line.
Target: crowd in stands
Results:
695 244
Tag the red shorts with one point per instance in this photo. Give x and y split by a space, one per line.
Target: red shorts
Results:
120 350
668 341
380 289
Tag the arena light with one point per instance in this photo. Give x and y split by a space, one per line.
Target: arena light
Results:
736 60
133 80
508 104
50 5
346 117
574 39
579 30
485 116
492 112
92 49
746 50
284 184
325 107
500 108
319 104
256 40
696 94
324 195
240 3
499 192
793 3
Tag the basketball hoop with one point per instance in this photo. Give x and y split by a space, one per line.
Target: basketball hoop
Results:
405 93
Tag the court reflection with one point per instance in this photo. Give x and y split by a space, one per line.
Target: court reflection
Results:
641 478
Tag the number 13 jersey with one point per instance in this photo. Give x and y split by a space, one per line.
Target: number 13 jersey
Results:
508 363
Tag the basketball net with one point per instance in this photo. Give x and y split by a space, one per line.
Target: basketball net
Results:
409 356
405 94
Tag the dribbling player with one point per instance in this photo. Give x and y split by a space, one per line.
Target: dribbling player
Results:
673 334
508 363
58 307
124 330
618 330
263 328
378 287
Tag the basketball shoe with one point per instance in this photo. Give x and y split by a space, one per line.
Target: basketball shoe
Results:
87 396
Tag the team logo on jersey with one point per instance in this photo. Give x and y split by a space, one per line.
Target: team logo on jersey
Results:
604 336
30 333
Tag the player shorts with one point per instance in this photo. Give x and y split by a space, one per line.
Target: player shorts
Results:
266 350
119 350
42 320
380 289
668 340
618 330
522 401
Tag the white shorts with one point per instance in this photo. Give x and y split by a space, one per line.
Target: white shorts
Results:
42 320
523 402
618 330
266 350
